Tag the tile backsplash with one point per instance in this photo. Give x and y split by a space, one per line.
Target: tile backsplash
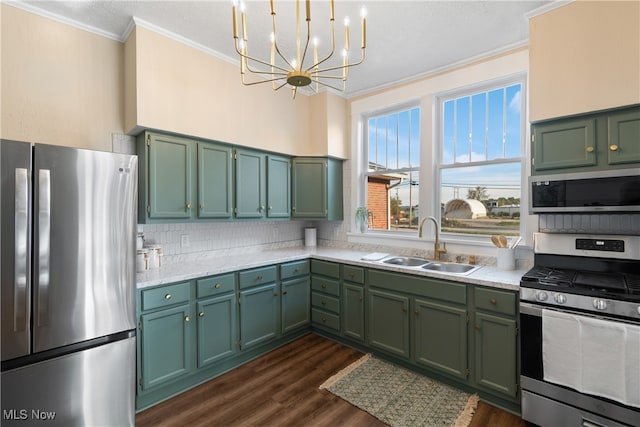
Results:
185 241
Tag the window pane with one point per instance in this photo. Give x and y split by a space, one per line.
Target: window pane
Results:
372 143
462 129
381 137
448 152
414 142
496 124
393 201
392 142
403 139
513 111
481 199
478 127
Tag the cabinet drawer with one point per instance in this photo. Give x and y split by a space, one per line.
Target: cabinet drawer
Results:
325 302
325 268
325 319
294 269
257 276
353 274
215 285
325 285
165 296
495 301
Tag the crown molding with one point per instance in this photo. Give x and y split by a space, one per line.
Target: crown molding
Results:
546 8
27 7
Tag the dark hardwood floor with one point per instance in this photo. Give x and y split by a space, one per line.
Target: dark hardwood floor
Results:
281 389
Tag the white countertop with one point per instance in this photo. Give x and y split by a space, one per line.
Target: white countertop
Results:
486 276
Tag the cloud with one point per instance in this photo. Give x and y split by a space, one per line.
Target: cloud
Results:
515 103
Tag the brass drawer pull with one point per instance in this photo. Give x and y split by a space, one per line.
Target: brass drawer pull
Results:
493 301
217 286
589 149
324 286
188 205
259 277
201 314
477 327
323 303
187 318
613 147
167 296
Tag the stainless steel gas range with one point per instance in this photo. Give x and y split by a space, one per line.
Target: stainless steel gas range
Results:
580 331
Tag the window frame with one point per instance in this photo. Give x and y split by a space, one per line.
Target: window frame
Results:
396 109
437 166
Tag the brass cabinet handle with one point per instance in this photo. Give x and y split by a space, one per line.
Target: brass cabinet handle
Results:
417 312
404 309
359 298
259 277
201 205
477 327
589 149
167 296
295 270
188 205
201 314
493 301
270 207
613 147
217 286
187 318
284 293
324 286
323 303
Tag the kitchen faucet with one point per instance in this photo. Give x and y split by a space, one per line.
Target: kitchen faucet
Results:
437 251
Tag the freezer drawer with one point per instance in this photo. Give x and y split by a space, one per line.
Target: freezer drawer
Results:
94 387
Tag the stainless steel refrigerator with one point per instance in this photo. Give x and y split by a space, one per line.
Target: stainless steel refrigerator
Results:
67 236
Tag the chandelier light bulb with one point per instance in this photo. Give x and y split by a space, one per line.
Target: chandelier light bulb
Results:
346 21
363 12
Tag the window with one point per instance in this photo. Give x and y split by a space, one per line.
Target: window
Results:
392 172
481 161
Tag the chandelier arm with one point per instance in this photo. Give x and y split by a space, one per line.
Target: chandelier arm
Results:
306 45
333 48
250 58
340 67
329 86
262 81
275 44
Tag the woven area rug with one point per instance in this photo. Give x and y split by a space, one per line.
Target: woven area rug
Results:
400 397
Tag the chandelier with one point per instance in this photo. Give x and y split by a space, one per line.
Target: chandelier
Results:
301 70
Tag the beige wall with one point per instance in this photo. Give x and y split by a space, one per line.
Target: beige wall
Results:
328 126
60 85
184 90
584 56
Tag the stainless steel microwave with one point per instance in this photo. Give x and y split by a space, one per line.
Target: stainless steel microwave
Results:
605 191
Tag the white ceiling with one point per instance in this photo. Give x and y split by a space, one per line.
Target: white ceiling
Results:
405 39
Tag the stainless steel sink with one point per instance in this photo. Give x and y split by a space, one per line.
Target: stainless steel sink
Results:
405 261
452 268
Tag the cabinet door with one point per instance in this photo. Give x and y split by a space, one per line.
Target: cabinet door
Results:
250 184
217 334
353 311
495 352
166 346
296 304
389 322
624 138
566 144
440 337
170 177
259 315
215 181
309 188
278 187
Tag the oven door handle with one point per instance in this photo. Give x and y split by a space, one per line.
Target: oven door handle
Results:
533 310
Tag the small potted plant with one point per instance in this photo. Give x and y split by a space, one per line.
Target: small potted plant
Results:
362 218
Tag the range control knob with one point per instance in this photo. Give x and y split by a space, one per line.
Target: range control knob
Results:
560 298
541 296
599 304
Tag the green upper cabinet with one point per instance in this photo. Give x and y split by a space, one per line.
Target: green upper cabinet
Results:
624 137
215 184
167 174
591 142
278 187
316 188
250 176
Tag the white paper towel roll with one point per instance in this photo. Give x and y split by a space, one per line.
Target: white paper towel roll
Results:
309 236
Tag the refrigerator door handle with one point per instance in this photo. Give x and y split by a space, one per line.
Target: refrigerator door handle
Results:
21 248
44 234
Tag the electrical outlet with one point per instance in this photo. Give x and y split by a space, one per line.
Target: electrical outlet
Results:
184 241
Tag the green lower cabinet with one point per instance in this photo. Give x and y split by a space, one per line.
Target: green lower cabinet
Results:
440 337
495 353
389 322
296 303
166 345
259 315
217 333
353 311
